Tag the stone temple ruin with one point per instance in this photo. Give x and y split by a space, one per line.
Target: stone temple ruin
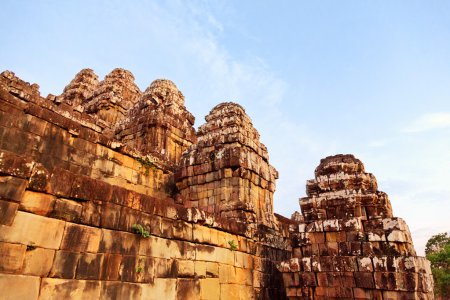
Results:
108 192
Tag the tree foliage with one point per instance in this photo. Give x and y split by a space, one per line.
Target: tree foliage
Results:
437 250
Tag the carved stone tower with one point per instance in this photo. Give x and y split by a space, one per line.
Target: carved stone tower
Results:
227 172
349 246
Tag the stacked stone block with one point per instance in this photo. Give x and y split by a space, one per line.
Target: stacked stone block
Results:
113 97
348 245
159 124
227 172
80 89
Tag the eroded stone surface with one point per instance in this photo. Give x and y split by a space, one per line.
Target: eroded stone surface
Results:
159 123
80 89
349 238
114 96
227 171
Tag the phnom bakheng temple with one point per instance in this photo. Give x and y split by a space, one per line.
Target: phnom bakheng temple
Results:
108 192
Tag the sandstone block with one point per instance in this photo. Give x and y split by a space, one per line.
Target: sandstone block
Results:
200 269
91 213
119 242
110 216
38 261
19 287
33 230
111 267
137 269
61 182
37 203
40 179
14 165
35 125
12 188
11 257
165 268
209 289
167 228
227 273
225 256
8 212
206 253
230 291
85 188
162 248
160 286
67 210
80 238
182 230
54 288
364 280
129 217
201 234
360 293
89 266
291 279
188 289
365 264
185 268
212 269
65 264
386 280
243 276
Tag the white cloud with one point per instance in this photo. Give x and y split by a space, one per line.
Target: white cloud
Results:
429 121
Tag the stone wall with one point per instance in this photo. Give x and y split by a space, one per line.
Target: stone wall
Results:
107 192
79 170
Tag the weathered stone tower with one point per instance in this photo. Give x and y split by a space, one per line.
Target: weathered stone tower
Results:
348 245
159 124
113 97
227 172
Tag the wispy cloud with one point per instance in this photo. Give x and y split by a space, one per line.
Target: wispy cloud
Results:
429 121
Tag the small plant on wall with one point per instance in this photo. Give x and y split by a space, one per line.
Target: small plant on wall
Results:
147 164
139 229
140 267
233 246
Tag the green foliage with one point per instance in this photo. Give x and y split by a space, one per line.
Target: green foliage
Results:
437 250
140 267
437 242
139 229
233 246
147 164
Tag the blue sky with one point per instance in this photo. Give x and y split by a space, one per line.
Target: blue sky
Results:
371 78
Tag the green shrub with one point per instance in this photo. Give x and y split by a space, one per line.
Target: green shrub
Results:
139 229
437 251
233 246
